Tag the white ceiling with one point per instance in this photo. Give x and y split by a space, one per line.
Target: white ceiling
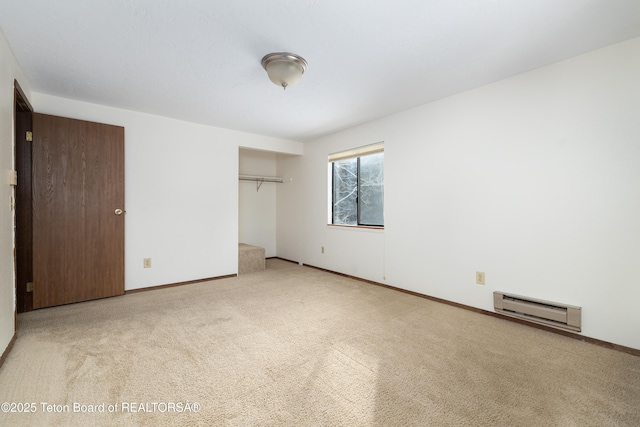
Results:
199 60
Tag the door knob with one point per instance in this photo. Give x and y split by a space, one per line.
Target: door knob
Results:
118 211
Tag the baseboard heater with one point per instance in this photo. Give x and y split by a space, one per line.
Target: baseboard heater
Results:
538 311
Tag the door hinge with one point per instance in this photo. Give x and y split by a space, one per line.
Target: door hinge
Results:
29 136
29 286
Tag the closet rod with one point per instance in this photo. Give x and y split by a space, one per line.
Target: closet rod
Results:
261 179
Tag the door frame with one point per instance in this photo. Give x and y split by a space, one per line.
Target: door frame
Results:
22 222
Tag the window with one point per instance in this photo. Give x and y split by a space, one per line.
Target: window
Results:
357 186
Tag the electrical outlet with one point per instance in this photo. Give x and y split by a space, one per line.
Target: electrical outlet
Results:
147 263
322 249
480 277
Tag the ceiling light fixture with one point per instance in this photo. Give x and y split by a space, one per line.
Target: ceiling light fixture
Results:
283 68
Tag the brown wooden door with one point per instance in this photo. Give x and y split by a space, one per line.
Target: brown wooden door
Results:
78 183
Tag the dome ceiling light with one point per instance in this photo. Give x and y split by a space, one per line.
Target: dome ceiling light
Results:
283 68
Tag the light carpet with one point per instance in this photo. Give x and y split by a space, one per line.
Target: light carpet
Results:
296 346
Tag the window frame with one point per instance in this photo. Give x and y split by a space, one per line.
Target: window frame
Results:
357 154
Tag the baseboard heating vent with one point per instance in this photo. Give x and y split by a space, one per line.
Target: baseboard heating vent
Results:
538 311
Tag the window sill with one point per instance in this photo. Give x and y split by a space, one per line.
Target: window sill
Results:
355 227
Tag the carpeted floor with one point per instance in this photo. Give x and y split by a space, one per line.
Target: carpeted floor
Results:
295 346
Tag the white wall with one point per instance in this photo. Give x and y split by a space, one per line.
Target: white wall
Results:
9 70
181 191
257 209
534 180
